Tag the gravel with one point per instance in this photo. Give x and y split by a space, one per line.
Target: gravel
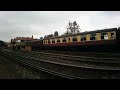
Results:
12 70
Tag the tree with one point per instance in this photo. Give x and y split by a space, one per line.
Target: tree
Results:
41 37
56 33
72 28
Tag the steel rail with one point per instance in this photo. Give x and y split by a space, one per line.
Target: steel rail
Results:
83 65
41 68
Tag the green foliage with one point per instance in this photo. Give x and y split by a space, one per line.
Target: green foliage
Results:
2 44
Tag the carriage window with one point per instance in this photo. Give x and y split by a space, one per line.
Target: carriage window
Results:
112 35
74 38
48 41
64 40
93 36
18 40
53 41
58 41
83 37
44 42
104 35
69 39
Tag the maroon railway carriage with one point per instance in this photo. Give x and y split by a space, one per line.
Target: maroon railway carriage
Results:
100 40
36 45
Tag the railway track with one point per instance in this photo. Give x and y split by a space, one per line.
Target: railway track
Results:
35 64
82 54
76 61
89 54
81 69
102 59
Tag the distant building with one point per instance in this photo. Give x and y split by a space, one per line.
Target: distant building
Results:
46 36
22 39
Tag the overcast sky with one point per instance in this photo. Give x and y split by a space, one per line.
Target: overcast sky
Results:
39 23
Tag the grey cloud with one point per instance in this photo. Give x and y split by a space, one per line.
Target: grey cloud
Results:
106 19
40 23
111 13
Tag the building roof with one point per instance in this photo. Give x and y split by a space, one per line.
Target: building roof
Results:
83 33
22 38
